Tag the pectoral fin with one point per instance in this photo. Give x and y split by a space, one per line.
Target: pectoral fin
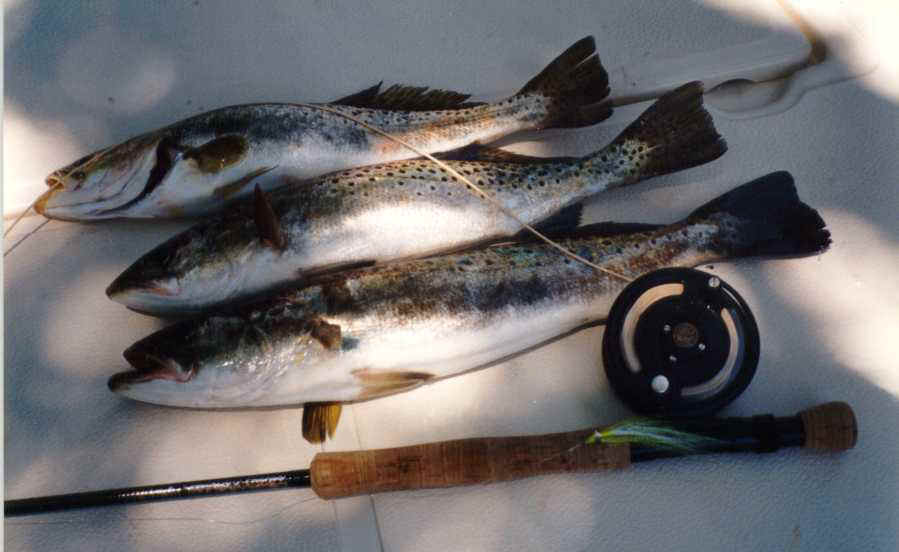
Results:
219 153
267 223
376 383
328 335
320 421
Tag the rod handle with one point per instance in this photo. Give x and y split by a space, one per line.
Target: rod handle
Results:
829 427
460 462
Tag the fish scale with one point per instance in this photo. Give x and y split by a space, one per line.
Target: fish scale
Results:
369 332
403 210
198 165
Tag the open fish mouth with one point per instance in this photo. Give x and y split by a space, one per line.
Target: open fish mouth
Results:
147 366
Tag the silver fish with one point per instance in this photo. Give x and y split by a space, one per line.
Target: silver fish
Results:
404 210
370 332
195 166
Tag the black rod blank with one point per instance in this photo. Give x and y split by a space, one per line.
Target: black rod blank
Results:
153 493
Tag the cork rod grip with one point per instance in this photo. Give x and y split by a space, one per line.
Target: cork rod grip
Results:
461 462
829 427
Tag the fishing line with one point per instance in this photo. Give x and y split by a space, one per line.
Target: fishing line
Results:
22 215
471 186
28 235
27 209
279 512
475 189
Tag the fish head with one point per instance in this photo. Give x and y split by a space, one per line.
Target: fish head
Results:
207 363
221 361
98 184
207 265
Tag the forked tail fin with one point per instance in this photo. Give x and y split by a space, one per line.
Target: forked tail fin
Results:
764 217
575 85
675 133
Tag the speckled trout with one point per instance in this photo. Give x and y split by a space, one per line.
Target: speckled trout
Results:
402 210
370 332
195 166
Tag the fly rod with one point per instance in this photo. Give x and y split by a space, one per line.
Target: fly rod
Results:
828 427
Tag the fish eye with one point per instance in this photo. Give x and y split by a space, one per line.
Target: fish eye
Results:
79 175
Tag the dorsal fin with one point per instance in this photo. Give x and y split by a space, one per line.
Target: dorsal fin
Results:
407 98
479 152
267 223
361 98
320 421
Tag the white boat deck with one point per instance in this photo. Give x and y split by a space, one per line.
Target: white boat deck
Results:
84 76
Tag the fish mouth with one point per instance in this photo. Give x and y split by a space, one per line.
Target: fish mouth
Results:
41 204
55 179
144 285
128 291
147 366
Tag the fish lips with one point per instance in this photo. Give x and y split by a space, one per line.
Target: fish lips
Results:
148 365
147 284
132 289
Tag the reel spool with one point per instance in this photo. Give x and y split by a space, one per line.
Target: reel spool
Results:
679 342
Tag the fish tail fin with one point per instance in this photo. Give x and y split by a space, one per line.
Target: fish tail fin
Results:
674 133
764 217
574 85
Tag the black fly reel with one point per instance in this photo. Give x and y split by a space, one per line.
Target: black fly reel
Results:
679 342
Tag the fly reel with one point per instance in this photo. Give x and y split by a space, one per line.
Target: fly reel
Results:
679 342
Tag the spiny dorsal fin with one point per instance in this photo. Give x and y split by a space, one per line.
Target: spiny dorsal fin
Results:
361 98
320 421
267 223
378 383
407 98
478 152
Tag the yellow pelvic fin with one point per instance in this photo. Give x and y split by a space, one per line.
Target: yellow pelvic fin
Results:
320 421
